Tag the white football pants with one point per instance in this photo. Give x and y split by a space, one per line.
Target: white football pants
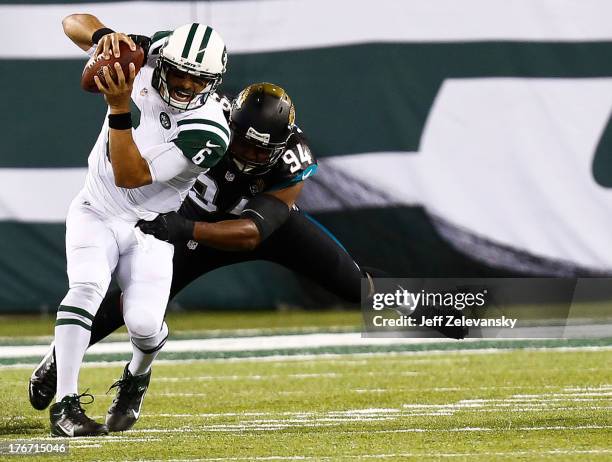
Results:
97 245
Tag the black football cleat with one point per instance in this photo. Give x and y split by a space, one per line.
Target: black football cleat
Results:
69 420
125 410
43 382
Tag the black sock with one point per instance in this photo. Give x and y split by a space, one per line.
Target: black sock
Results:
109 317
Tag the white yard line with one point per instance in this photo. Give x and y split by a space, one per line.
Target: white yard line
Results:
426 455
261 421
280 358
205 378
271 427
258 343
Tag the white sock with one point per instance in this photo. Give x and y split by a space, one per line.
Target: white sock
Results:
145 350
71 341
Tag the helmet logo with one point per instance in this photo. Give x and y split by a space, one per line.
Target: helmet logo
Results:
292 115
242 96
165 120
224 59
255 135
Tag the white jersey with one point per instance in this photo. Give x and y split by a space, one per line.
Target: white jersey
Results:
177 146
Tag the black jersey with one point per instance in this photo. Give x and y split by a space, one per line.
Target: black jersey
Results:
223 191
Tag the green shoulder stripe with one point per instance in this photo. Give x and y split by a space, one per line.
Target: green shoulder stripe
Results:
202 147
160 35
157 41
205 122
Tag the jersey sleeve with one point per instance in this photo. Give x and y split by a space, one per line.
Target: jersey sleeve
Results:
202 141
165 162
157 41
295 165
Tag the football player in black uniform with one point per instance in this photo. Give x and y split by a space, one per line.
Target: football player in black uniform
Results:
242 209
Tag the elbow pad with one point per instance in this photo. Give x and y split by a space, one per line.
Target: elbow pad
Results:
267 212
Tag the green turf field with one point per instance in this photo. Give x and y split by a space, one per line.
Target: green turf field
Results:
183 323
464 405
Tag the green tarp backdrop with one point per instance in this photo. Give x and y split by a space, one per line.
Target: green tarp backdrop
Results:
455 138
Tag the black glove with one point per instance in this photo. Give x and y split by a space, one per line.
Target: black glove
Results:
169 227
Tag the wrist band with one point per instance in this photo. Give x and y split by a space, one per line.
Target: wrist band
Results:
97 35
120 121
189 229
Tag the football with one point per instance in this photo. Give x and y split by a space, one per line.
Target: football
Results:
96 64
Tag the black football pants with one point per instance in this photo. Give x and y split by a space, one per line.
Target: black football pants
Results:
300 244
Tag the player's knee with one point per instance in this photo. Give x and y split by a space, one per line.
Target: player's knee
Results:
141 324
153 342
85 295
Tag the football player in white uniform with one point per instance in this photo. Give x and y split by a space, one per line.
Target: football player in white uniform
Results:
160 133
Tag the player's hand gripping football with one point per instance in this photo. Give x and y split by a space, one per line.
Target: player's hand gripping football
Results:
117 87
117 93
169 227
109 44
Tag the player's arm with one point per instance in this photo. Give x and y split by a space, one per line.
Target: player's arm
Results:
266 212
261 216
130 169
80 29
85 30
